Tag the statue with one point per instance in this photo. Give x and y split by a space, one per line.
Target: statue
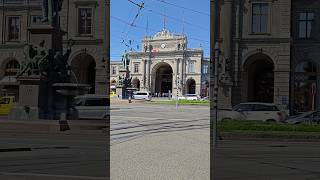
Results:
34 55
40 61
53 5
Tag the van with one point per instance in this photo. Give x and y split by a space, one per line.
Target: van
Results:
91 106
142 95
6 104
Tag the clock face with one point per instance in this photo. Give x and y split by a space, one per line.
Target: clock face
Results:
163 45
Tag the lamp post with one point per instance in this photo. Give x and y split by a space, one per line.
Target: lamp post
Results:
177 89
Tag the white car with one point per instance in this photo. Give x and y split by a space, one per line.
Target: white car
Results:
189 97
254 111
91 106
142 95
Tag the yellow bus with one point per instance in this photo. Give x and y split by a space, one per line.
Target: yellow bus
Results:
6 103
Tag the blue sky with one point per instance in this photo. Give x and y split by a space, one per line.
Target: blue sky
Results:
189 16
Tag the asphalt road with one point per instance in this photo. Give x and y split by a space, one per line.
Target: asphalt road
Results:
267 160
62 156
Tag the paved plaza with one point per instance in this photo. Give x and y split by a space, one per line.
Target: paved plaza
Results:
160 142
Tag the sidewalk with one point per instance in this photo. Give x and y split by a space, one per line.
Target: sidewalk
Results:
51 126
126 101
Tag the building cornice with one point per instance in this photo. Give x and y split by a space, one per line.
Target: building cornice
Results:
12 46
264 40
166 53
85 42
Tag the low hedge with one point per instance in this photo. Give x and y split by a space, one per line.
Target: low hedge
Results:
241 125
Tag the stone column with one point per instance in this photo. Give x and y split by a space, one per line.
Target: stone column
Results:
226 28
143 84
148 75
226 35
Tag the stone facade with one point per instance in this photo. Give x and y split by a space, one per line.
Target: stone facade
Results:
166 64
88 47
256 55
269 61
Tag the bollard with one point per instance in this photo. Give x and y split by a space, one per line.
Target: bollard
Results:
64 126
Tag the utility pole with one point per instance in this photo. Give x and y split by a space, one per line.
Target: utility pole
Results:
214 11
177 89
107 54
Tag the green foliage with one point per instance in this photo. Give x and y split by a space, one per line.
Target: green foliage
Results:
241 125
181 102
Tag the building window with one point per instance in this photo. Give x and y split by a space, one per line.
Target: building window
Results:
11 68
136 68
305 22
85 21
13 28
260 17
191 68
205 69
114 70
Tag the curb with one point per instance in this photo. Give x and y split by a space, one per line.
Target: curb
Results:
48 126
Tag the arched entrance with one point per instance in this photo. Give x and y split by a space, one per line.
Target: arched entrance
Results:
136 83
83 68
260 81
305 80
163 79
191 86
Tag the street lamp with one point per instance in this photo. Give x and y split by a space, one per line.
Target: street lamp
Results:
177 89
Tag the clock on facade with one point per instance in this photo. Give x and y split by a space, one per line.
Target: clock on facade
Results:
163 46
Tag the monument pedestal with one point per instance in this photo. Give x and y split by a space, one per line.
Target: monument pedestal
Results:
28 99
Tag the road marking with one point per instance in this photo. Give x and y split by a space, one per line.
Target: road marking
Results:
52 175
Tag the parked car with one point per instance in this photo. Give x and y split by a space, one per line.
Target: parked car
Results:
205 98
189 97
91 106
255 111
6 104
142 95
307 117
112 94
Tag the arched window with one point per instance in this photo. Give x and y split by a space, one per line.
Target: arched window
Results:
11 68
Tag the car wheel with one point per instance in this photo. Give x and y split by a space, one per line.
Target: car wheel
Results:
226 119
271 120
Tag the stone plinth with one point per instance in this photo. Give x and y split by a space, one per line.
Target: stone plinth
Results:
28 99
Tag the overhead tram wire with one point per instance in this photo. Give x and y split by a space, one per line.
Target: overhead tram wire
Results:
132 24
170 17
154 30
182 7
